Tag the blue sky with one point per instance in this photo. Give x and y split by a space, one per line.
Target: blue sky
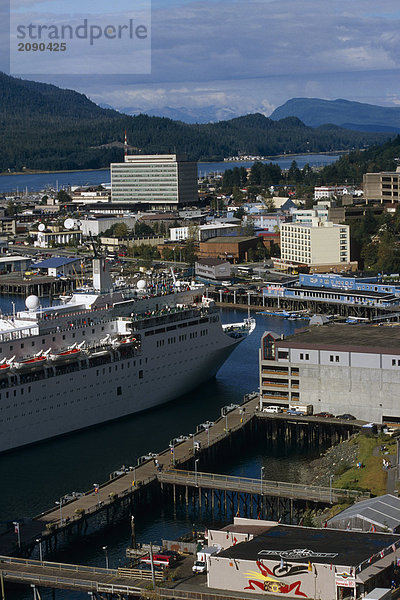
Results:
247 56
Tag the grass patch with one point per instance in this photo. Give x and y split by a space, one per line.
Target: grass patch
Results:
371 477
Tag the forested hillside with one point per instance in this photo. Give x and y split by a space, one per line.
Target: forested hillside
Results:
46 128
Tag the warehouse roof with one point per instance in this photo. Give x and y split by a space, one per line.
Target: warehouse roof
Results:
230 239
346 338
304 544
383 511
55 262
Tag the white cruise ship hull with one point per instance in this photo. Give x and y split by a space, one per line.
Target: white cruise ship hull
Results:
59 400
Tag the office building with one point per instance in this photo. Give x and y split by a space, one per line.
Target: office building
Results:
319 243
382 187
166 181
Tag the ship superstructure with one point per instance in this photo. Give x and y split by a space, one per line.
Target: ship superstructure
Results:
104 355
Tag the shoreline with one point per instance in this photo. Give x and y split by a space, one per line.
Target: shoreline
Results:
27 172
200 162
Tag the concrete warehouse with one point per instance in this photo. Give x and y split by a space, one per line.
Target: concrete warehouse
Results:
338 368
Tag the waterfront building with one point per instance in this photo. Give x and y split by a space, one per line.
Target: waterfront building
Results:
213 269
12 264
380 514
382 187
336 368
60 266
320 245
165 181
337 289
266 557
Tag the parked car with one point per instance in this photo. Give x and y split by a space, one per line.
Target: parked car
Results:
346 417
325 415
272 409
292 411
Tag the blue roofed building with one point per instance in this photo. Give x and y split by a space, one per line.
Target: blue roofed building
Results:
60 266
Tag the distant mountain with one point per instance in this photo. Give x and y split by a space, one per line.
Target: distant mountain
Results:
207 114
345 113
47 128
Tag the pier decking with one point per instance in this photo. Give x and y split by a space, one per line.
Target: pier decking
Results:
140 485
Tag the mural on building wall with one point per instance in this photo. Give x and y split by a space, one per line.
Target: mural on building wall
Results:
272 581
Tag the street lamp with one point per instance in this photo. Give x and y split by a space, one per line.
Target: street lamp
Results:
224 413
262 477
59 502
195 471
330 488
208 436
106 555
39 541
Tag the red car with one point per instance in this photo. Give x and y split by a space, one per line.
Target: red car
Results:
325 415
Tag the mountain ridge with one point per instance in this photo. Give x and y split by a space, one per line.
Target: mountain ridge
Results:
44 127
349 114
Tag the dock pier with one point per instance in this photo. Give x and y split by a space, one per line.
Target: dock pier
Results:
140 486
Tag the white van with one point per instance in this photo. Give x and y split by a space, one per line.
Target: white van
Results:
272 409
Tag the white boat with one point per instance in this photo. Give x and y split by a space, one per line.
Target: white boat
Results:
67 356
30 364
166 346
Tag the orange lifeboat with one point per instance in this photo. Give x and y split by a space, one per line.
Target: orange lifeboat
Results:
32 363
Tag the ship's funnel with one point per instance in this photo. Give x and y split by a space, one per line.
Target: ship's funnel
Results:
102 282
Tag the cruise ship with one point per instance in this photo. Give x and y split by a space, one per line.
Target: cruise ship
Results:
105 354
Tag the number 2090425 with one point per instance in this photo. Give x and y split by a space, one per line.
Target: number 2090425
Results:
42 47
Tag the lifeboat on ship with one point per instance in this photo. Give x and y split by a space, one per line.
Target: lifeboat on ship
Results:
69 355
125 343
31 363
5 366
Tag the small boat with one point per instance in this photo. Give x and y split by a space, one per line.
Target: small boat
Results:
4 368
66 356
32 363
125 343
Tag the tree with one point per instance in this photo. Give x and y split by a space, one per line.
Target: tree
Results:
270 204
120 230
63 197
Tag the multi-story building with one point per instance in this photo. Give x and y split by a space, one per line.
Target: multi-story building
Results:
307 215
317 243
201 233
382 187
325 192
213 269
157 181
233 248
337 368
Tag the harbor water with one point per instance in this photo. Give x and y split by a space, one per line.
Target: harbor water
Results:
34 478
39 181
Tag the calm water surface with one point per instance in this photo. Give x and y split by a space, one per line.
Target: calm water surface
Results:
34 478
39 181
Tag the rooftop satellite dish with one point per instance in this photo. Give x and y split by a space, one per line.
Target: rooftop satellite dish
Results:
42 227
69 223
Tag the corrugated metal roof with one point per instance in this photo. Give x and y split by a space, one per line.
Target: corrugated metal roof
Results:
55 262
383 511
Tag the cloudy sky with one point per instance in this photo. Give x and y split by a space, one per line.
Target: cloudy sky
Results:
245 56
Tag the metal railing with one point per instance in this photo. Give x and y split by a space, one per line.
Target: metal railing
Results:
257 486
